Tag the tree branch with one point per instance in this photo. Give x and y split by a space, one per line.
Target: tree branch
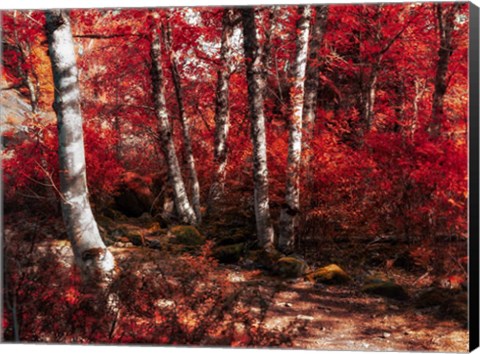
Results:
107 36
11 87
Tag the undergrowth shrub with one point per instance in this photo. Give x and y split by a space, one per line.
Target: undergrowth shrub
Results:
156 299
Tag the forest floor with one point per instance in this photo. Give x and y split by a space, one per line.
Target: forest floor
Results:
341 317
311 315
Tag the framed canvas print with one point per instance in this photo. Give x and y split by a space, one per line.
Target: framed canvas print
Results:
295 176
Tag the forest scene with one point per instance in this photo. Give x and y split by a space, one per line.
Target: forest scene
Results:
267 176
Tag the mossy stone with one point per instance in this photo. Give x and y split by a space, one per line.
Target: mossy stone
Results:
331 274
385 288
430 298
186 235
229 253
291 267
233 238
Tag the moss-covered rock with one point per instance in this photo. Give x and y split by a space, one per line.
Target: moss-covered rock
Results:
186 235
155 228
331 274
430 298
291 267
236 237
385 288
229 253
451 303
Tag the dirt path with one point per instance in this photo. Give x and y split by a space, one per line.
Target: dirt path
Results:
342 318
337 317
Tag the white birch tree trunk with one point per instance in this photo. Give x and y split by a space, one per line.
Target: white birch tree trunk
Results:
256 87
187 140
91 254
222 119
291 207
311 91
311 80
182 204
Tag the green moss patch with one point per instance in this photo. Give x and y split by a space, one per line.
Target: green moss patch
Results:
186 235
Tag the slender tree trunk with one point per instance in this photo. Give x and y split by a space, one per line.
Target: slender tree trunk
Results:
24 75
370 95
91 255
269 30
185 121
182 204
399 125
311 81
291 207
419 90
256 88
311 91
446 25
222 121
116 123
35 84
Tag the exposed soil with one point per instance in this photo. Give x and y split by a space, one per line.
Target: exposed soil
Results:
342 318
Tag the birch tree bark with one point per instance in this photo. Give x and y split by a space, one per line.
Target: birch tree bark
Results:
311 80
222 119
291 207
182 204
91 254
185 121
445 17
311 90
420 87
256 87
370 95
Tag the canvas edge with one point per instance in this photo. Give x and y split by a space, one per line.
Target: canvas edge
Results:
473 177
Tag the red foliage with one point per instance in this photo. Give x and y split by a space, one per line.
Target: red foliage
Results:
391 176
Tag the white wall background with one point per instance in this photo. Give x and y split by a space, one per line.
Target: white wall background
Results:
78 349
